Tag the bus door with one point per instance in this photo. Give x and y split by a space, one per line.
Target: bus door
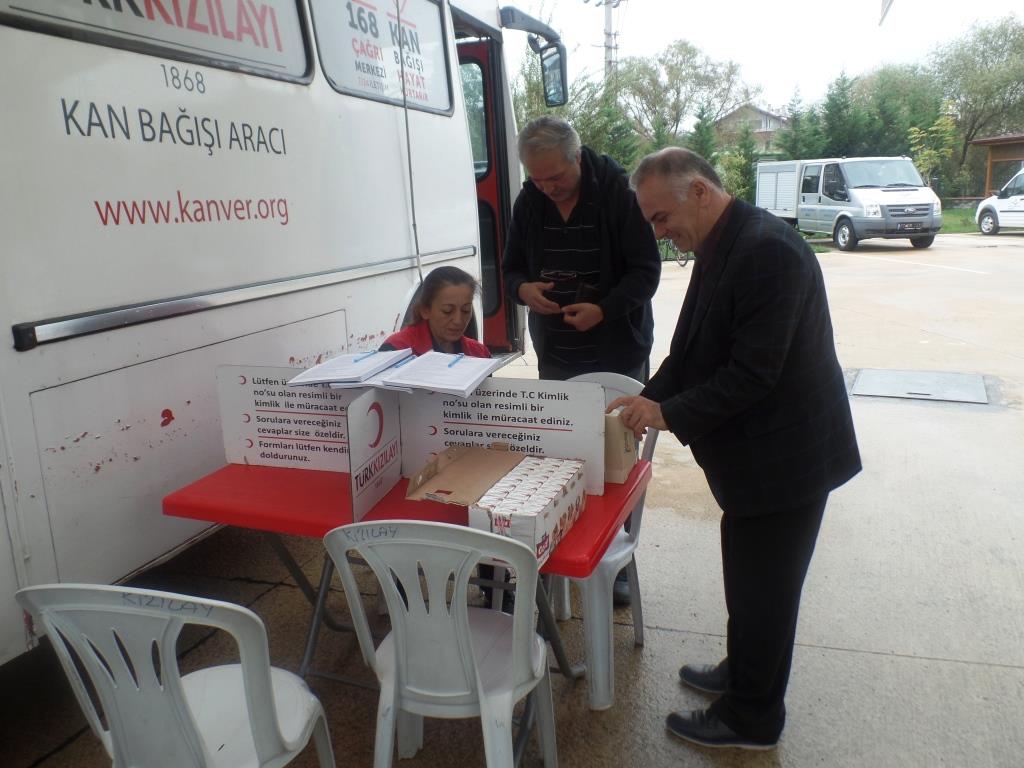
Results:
484 90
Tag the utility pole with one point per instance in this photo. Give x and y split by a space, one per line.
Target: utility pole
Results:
609 43
609 35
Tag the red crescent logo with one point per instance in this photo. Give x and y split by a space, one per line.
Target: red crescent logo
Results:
249 443
433 430
375 408
242 379
246 418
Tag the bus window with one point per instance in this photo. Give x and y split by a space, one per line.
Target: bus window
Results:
473 90
375 53
263 37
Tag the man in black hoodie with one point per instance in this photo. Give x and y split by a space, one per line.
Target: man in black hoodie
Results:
581 256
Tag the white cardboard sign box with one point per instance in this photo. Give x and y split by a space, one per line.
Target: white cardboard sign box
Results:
378 436
564 419
269 424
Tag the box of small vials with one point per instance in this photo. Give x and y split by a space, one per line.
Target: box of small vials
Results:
531 499
536 503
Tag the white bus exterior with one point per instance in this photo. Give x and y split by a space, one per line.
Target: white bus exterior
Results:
191 184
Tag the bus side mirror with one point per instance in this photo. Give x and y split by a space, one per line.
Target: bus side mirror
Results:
840 195
1002 194
553 71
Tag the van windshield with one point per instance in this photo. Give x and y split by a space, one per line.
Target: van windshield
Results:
897 172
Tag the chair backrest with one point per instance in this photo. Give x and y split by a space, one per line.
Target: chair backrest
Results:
121 643
617 385
424 571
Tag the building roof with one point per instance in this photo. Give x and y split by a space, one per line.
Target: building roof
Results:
1005 138
755 108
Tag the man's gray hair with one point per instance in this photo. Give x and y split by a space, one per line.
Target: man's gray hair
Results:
678 166
545 133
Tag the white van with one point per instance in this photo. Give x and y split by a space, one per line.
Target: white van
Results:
190 184
851 198
1003 209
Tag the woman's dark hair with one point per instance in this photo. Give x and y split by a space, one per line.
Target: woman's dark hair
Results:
439 278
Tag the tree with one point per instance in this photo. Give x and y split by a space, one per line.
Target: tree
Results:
983 75
661 93
592 109
802 137
896 98
702 139
739 166
844 122
932 146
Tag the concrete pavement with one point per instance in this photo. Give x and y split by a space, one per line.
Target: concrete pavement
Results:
910 648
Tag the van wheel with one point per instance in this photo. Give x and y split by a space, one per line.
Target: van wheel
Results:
988 223
923 241
844 237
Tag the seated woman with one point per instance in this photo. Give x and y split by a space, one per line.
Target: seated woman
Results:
445 308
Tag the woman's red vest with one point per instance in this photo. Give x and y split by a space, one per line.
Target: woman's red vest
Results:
417 338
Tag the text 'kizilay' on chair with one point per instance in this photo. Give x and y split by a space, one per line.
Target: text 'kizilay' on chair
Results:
443 658
597 588
123 641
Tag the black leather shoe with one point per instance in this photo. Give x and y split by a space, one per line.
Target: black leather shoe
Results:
620 589
705 677
702 726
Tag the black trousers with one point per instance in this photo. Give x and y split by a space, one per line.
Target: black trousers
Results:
764 560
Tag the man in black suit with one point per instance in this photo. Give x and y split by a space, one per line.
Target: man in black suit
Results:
753 386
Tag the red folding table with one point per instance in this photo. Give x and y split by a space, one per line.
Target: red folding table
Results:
278 500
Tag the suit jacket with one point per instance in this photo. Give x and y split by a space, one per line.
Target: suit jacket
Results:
752 383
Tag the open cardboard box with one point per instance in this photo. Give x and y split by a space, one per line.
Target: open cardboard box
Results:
619 449
373 438
464 474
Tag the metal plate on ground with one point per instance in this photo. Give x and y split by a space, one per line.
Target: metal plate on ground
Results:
921 385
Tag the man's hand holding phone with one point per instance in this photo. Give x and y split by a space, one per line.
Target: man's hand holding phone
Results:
532 295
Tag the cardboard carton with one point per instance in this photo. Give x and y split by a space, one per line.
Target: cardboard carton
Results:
527 498
619 449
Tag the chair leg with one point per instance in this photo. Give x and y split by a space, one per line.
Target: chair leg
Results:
496 721
387 715
546 720
322 741
560 598
634 601
497 593
597 639
410 734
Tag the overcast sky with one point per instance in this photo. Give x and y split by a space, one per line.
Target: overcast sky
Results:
780 45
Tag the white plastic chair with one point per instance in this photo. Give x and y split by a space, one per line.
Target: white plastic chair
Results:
120 643
596 589
443 658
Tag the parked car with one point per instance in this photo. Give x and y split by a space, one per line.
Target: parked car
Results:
851 198
1003 209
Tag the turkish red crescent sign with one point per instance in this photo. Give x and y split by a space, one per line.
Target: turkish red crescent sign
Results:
375 459
379 412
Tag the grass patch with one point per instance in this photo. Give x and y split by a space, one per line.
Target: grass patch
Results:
956 220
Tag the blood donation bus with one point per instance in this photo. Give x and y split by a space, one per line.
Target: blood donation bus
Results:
193 183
